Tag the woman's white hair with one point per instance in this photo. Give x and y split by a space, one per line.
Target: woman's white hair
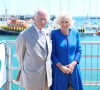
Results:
63 15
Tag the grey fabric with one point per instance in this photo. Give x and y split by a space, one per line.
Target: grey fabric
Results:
34 61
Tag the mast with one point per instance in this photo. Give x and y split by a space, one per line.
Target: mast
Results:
50 7
60 6
68 4
5 6
89 10
6 14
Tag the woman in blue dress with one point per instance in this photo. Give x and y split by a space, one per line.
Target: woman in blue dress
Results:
66 54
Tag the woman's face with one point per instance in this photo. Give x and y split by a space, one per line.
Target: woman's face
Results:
65 23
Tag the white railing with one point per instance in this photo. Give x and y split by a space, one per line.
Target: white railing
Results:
90 63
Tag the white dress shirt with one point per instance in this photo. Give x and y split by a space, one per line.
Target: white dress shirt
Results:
38 31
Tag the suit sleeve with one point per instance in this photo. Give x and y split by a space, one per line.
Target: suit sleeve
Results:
78 49
53 55
20 49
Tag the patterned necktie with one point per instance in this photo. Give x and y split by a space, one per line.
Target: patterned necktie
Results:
43 38
44 43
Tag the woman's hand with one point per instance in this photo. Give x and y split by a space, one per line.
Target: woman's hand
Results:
63 68
71 66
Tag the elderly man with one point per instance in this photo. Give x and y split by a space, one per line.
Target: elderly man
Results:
33 50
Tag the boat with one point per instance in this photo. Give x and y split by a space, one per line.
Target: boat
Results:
8 32
93 17
98 32
83 31
13 27
92 26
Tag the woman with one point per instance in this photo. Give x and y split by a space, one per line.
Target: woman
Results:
66 53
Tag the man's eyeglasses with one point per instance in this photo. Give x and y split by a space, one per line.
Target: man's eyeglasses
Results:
45 19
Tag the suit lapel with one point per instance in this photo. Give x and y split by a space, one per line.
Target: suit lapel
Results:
36 37
47 44
41 43
38 40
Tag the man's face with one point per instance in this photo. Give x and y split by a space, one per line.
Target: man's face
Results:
41 20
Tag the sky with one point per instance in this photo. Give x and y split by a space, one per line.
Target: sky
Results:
54 7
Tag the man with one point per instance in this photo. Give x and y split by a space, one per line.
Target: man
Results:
33 50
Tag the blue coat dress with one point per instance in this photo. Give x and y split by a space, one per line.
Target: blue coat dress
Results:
65 49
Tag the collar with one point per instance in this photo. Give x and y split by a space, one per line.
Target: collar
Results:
36 28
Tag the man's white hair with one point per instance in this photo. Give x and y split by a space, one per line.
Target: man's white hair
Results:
40 10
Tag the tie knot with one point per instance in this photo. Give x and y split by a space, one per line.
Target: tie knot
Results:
41 31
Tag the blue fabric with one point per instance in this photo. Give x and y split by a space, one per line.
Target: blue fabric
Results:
65 49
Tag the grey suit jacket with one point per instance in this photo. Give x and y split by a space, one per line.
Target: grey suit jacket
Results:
34 65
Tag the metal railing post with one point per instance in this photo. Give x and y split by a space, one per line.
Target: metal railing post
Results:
8 66
5 86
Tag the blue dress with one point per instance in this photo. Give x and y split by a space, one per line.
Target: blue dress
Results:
65 49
